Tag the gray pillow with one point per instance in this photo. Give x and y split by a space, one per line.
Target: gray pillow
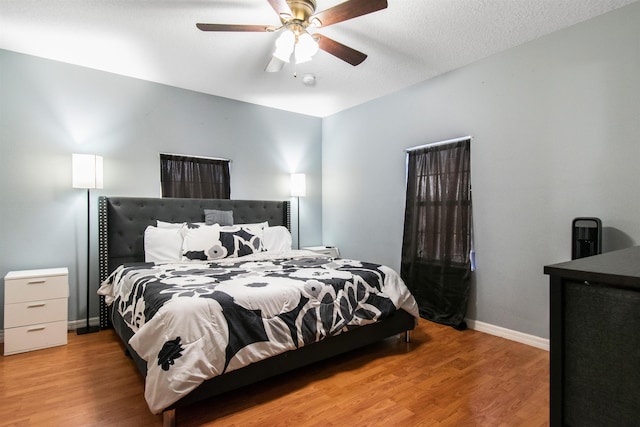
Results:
212 216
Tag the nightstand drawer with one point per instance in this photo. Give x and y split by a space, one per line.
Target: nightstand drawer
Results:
29 313
35 288
27 338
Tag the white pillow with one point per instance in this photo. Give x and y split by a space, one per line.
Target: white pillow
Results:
277 239
255 226
181 225
162 244
163 224
202 242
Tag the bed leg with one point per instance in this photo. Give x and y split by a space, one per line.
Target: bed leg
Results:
169 418
407 336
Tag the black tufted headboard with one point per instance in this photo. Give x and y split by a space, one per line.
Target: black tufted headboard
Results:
122 221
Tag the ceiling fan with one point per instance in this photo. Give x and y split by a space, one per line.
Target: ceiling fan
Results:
295 41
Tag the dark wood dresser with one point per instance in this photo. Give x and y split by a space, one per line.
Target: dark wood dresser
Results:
595 340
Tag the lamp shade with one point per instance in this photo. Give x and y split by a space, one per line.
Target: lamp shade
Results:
285 45
305 48
298 185
87 171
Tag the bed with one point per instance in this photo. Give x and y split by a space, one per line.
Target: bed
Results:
203 324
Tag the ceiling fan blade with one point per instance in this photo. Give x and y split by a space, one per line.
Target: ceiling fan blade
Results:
280 6
274 65
347 10
228 27
340 51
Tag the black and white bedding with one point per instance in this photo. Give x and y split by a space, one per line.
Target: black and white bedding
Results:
194 320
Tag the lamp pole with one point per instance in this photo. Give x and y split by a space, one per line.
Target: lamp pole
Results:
298 189
87 173
88 328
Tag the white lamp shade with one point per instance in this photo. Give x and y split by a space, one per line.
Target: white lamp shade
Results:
87 171
285 45
305 48
298 185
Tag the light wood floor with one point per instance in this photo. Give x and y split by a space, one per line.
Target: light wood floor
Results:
442 378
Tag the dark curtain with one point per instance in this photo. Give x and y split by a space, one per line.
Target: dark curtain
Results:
436 247
194 177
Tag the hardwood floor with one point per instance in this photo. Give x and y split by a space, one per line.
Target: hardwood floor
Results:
442 378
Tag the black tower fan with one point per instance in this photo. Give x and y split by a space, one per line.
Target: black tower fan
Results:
586 237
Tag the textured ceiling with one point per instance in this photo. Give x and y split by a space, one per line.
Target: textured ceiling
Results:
156 40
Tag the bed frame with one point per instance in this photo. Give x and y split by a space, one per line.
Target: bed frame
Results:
122 221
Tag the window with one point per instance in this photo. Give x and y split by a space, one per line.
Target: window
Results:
443 204
194 177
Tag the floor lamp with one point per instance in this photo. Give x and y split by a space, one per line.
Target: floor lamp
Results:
87 173
298 189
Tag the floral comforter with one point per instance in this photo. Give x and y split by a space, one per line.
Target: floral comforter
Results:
196 320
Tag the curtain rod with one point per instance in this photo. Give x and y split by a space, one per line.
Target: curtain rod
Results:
434 144
198 157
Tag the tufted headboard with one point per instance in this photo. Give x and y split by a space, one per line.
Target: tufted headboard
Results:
122 221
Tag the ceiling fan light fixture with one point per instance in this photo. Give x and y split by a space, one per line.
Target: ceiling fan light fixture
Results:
315 21
285 46
305 48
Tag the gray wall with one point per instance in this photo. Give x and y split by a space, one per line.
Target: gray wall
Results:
555 125
49 110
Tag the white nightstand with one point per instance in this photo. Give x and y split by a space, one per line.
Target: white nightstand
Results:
330 251
35 309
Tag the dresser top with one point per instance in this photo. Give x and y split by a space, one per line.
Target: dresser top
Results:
44 272
618 267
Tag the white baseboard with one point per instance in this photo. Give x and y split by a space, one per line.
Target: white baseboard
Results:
532 340
71 326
